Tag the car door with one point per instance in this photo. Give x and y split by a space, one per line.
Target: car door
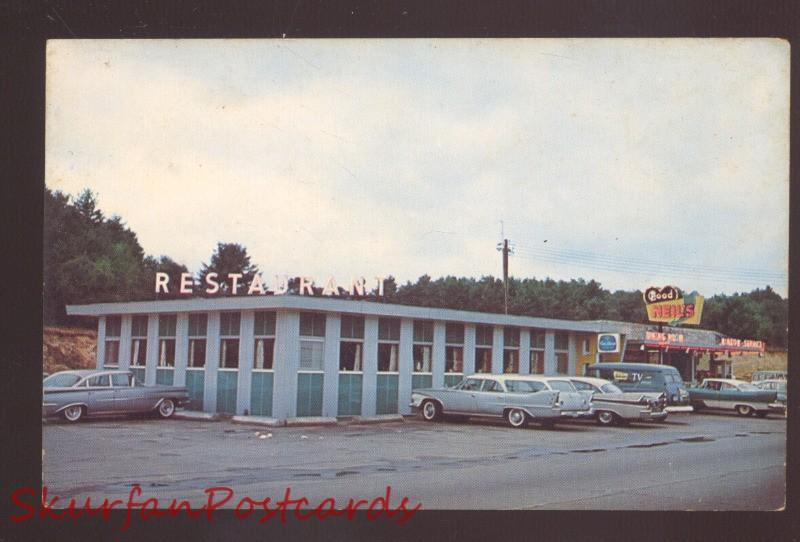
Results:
490 400
100 396
464 399
125 395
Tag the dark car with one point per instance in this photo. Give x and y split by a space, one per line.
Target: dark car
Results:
645 377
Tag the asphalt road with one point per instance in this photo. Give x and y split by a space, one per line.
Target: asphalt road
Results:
691 462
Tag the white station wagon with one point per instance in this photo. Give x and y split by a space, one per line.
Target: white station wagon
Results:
517 398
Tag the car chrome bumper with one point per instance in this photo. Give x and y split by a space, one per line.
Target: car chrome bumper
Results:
647 415
677 409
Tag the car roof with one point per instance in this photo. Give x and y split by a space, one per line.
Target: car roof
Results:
591 379
83 373
728 380
625 365
778 380
519 376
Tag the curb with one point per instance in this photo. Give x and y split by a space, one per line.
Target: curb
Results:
261 421
380 418
310 420
196 416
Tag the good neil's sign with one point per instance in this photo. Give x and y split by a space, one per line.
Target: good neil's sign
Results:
233 283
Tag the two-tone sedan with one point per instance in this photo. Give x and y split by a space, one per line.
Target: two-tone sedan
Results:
612 406
76 394
729 394
516 398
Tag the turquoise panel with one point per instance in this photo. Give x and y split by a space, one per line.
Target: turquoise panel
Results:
195 382
386 392
452 380
165 376
421 381
309 394
261 394
139 374
349 394
226 391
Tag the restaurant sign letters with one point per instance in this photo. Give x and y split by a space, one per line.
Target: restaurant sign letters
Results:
669 306
256 286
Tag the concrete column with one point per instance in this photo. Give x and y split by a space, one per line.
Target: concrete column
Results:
212 363
405 365
497 350
330 381
181 348
100 354
549 352
125 342
369 378
524 351
469 349
151 359
287 361
571 349
246 345
438 354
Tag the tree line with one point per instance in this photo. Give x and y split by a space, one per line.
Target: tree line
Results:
91 258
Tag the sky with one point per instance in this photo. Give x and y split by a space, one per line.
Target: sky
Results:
634 162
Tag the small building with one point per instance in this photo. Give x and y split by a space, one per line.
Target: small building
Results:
288 355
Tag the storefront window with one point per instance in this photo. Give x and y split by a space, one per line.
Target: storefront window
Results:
264 337
537 352
484 338
229 324
166 339
562 356
351 345
454 348
511 350
198 323
423 346
139 340
312 341
388 344
113 332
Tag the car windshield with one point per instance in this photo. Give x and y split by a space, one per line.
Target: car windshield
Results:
748 387
561 385
61 380
610 388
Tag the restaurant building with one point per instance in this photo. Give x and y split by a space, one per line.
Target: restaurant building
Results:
287 356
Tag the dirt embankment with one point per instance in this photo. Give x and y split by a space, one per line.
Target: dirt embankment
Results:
68 348
745 365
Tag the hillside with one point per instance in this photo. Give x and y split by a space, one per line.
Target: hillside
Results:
68 348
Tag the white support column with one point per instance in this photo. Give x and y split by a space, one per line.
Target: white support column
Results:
405 365
524 351
549 352
330 380
125 342
369 378
151 359
469 349
100 354
572 347
181 348
438 354
497 350
287 361
212 363
246 345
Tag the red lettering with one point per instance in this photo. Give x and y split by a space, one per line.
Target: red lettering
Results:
268 513
689 310
352 506
331 511
384 502
248 512
211 505
46 509
31 509
408 513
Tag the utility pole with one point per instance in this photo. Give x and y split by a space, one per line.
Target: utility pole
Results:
505 249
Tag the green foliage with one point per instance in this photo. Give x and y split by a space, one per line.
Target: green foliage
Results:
229 258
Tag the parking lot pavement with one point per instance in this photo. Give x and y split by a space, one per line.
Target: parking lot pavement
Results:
690 462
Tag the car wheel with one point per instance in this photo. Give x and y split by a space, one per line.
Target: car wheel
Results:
516 417
604 417
166 408
431 411
744 410
762 413
73 414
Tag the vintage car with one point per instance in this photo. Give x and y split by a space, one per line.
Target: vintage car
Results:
612 406
75 394
517 398
774 385
728 394
645 377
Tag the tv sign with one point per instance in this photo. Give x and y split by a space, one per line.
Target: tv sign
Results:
608 343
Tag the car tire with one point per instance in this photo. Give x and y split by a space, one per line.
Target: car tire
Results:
762 413
166 408
73 414
516 418
744 410
431 411
604 417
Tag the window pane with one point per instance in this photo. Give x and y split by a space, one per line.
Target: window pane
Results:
537 362
197 353
423 331
483 360
312 324
112 353
454 359
511 336
562 363
264 352
484 335
562 340
422 358
353 327
113 326
167 324
166 353
537 339
138 351
511 361
229 353
454 334
387 357
139 326
389 329
198 324
311 355
229 323
121 380
264 323
100 380
350 356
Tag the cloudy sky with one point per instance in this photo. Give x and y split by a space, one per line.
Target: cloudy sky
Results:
633 162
